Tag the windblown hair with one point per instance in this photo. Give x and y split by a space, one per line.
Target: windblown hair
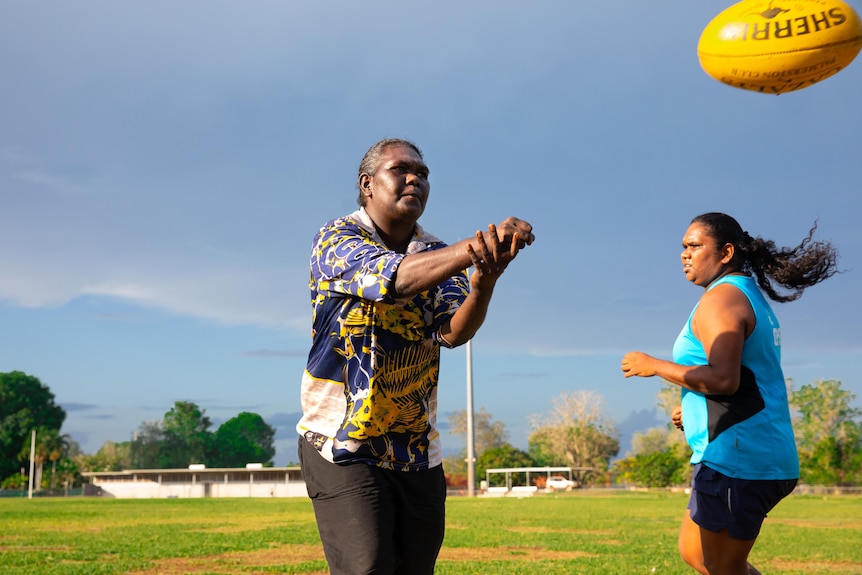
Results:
371 159
795 269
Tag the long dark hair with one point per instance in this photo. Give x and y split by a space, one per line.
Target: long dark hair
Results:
797 268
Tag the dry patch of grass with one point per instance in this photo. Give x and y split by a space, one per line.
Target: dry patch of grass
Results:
526 529
605 532
506 554
254 523
806 523
232 524
817 566
237 562
43 548
249 562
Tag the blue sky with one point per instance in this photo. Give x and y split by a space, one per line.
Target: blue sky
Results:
164 166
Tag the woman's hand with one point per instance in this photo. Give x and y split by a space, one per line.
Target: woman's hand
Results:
638 363
676 417
493 253
516 231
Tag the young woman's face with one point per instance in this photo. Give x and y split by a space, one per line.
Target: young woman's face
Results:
702 260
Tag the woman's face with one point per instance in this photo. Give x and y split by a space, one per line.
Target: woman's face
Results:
399 188
702 260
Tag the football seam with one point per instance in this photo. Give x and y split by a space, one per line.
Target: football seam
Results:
854 40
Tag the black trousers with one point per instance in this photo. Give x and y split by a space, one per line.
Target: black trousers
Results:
374 520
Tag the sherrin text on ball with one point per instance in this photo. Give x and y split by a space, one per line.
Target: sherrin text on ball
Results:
778 46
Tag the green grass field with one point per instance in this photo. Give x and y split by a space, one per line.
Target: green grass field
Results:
583 532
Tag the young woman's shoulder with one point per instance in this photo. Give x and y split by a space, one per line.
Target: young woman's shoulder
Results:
724 304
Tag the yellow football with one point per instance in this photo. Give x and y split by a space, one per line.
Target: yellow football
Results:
778 46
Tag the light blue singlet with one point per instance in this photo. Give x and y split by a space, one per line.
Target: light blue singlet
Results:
747 435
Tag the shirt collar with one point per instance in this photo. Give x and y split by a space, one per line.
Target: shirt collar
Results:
418 243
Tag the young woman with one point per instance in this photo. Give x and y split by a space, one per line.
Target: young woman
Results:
735 412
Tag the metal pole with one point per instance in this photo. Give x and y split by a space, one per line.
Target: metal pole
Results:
32 458
471 456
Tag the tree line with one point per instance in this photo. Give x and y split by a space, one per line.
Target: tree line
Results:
575 432
181 438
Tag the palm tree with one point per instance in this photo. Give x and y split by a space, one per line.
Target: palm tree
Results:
50 446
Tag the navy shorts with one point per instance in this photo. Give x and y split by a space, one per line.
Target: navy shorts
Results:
740 505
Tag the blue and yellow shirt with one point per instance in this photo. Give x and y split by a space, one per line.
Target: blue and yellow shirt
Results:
369 390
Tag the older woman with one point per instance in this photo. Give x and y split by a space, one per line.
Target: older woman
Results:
735 411
386 295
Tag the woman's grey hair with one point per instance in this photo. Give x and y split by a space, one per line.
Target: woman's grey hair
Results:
371 160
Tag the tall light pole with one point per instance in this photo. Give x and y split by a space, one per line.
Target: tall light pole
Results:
32 459
471 456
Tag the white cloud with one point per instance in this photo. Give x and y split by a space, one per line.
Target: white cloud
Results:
228 295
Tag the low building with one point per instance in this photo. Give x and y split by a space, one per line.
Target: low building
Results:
197 481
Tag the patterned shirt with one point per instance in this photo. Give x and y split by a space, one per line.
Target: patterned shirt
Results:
369 390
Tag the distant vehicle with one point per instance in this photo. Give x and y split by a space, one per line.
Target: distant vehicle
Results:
560 483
